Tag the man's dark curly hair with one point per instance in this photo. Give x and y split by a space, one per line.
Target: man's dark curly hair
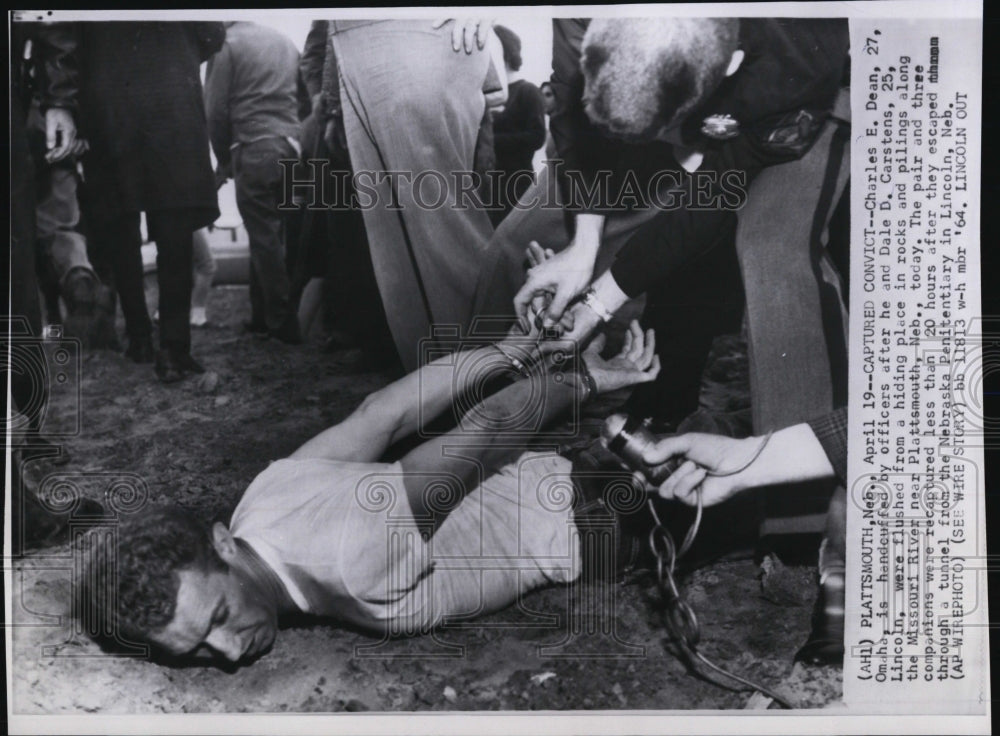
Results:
132 576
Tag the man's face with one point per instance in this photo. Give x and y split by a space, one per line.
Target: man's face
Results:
548 100
219 613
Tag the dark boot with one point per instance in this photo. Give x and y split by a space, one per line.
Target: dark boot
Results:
187 363
79 293
825 645
168 370
255 327
174 364
289 332
140 349
102 332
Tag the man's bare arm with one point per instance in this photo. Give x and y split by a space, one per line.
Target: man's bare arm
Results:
497 429
490 435
394 412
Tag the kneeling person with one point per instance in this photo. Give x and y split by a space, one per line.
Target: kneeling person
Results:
457 527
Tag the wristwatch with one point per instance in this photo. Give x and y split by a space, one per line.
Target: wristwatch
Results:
591 299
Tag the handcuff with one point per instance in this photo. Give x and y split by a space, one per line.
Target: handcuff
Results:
522 368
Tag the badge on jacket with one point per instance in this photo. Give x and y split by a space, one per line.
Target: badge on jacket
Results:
720 127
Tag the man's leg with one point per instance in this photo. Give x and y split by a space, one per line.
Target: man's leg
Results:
412 105
114 245
58 216
204 272
825 644
357 304
172 232
118 242
89 303
702 300
258 186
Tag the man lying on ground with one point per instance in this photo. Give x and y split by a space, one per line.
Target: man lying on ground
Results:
462 525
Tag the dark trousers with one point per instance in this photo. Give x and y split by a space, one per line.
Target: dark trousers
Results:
117 256
172 231
114 244
333 244
701 300
258 191
354 296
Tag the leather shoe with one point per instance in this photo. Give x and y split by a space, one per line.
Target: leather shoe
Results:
79 293
102 328
140 349
187 363
168 370
289 332
825 645
255 328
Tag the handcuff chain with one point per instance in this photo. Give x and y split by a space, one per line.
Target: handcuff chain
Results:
679 618
667 554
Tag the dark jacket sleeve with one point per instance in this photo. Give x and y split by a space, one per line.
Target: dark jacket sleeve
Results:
218 78
302 96
58 64
521 126
667 242
313 57
572 132
831 431
807 56
331 83
208 37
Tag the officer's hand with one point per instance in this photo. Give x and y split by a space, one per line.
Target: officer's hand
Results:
702 453
60 134
536 254
636 363
467 33
580 322
561 277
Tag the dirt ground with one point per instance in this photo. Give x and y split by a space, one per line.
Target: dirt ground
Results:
200 445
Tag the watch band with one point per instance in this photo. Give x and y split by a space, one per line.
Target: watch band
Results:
591 299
